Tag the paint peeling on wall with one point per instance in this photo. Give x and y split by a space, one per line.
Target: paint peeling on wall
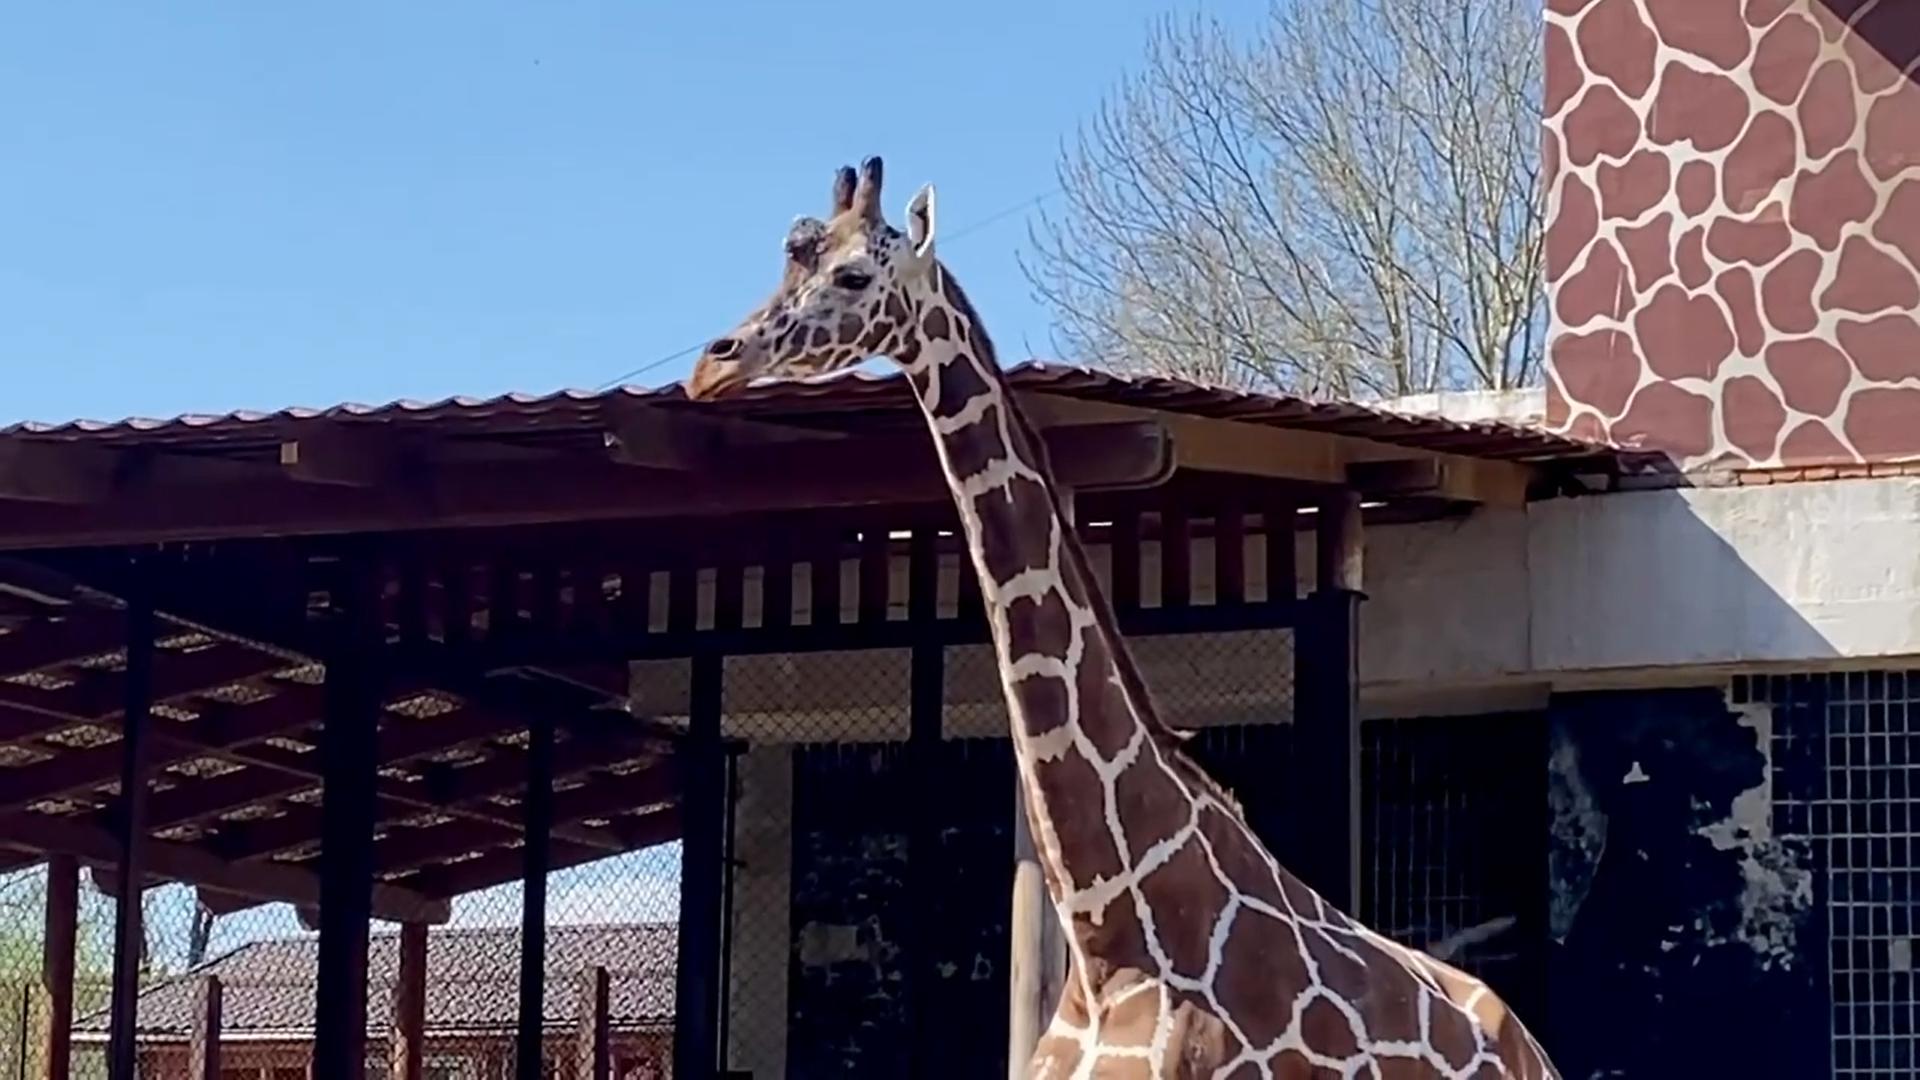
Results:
1778 886
1579 835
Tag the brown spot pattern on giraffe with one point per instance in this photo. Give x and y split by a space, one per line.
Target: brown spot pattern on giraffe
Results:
1011 516
975 447
1325 1028
1115 943
1157 806
1101 697
1826 109
1260 972
1239 860
1188 903
1043 702
936 325
1452 1034
1039 624
1086 845
960 382
1131 1021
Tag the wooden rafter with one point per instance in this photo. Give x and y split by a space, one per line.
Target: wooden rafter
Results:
496 867
883 470
49 834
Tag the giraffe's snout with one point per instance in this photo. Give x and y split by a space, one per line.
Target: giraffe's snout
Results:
722 367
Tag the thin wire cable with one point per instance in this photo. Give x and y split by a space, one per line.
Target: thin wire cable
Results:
949 240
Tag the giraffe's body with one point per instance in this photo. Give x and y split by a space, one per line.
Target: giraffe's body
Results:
1192 952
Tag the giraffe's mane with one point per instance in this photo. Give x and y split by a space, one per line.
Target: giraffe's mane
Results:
1170 743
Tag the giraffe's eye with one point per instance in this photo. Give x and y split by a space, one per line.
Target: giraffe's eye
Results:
851 280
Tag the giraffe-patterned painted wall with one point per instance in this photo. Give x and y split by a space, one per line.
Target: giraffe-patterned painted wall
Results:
1733 249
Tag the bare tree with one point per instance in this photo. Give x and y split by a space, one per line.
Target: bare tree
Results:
1345 202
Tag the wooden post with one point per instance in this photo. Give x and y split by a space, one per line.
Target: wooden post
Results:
63 906
1327 721
1036 970
696 1039
349 751
203 1044
593 1038
538 808
410 1005
131 824
925 734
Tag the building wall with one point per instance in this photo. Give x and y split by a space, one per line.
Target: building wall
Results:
1640 586
1733 254
1678 913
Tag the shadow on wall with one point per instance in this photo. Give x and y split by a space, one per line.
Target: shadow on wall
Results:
1890 27
1679 912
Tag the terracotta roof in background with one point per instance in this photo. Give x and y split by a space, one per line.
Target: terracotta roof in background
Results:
267 987
853 398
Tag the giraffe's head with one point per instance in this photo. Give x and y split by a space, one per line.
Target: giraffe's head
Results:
846 293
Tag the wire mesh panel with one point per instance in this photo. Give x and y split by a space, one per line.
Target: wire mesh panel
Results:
818 845
1453 826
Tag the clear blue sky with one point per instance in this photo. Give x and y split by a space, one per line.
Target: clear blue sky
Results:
225 205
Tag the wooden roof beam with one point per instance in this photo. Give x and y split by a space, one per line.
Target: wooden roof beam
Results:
39 470
218 728
864 471
185 862
1313 457
471 875
374 454
681 439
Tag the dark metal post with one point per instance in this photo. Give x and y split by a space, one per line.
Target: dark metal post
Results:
927 695
63 905
538 820
1327 721
131 823
349 753
696 1044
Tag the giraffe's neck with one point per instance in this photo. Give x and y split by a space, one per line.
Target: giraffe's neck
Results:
1084 735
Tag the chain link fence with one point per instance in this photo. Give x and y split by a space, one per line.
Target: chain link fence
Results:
617 915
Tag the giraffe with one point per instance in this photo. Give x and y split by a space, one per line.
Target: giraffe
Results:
1192 952
1733 241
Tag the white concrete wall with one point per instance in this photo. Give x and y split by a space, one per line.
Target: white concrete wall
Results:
1489 611
1805 574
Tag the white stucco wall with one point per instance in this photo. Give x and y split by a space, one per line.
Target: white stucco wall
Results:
1649 583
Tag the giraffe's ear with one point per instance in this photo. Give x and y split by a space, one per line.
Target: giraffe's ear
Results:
920 222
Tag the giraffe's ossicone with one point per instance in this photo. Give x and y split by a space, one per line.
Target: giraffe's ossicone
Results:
1193 953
